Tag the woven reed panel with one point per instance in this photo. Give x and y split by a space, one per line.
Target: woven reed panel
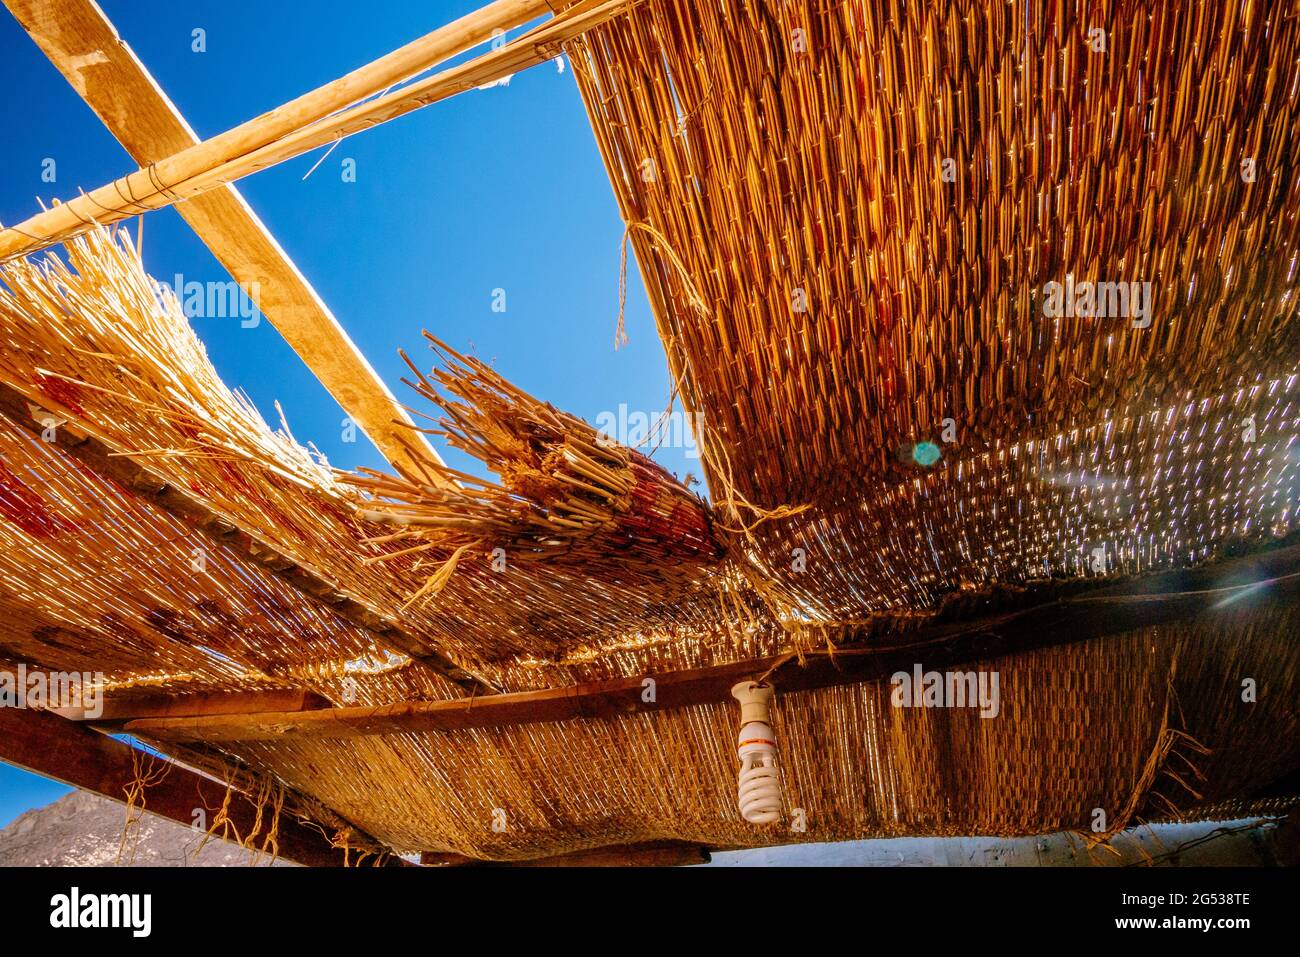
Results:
797 153
93 577
94 343
1077 728
848 214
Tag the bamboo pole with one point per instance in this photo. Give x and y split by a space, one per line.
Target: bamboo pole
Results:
537 47
132 194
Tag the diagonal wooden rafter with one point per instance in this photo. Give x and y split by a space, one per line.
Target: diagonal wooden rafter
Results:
50 745
85 47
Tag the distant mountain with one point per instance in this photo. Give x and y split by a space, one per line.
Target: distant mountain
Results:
86 829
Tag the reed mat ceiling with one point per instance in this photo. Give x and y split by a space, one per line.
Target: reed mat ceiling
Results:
848 216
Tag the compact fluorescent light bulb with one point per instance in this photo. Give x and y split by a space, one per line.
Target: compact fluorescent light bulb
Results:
760 784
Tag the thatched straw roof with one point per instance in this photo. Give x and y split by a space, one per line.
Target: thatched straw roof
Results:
906 451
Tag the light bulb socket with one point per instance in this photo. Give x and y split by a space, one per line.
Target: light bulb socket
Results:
754 700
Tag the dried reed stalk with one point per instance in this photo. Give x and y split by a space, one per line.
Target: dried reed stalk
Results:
567 496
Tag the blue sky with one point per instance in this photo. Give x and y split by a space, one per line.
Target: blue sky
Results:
499 188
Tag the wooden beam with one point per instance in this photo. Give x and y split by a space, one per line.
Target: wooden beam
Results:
49 745
81 42
118 709
307 122
533 48
646 854
447 859
192 510
1156 599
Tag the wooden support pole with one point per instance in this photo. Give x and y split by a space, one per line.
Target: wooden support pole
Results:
47 744
1158 599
